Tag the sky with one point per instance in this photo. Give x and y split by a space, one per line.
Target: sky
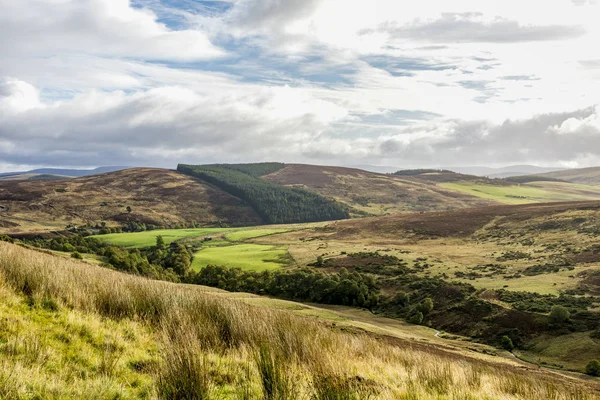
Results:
433 83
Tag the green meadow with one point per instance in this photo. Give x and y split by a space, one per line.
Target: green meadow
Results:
227 248
254 257
242 235
148 238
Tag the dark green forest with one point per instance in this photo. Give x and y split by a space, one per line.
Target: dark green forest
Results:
275 204
255 169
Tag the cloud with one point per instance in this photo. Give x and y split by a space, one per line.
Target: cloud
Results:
95 82
474 28
546 139
17 96
96 27
163 125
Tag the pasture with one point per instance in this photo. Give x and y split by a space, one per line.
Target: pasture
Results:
148 238
254 257
241 235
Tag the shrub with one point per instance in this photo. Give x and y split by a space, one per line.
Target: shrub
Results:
507 343
593 368
426 306
559 314
77 255
416 318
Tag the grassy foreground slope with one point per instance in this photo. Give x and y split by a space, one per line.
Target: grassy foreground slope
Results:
156 196
95 333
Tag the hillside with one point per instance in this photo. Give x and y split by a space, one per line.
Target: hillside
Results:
275 203
73 330
490 271
585 176
255 194
156 196
372 193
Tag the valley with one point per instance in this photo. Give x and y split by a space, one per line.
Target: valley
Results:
486 270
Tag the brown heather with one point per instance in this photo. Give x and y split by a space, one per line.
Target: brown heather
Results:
212 347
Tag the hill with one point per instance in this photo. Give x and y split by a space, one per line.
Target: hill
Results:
490 272
275 203
369 193
253 194
73 330
155 196
585 176
503 172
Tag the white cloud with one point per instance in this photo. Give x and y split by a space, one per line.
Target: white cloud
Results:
42 28
104 82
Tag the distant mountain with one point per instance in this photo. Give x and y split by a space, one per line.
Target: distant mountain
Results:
59 172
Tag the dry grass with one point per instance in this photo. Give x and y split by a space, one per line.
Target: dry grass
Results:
213 347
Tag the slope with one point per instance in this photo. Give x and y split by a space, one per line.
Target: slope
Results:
490 271
275 203
95 333
369 193
155 196
586 176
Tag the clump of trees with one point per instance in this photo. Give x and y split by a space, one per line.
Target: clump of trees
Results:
559 314
593 368
274 203
344 288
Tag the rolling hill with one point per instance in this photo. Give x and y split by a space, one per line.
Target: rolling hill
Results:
167 198
369 193
584 176
156 196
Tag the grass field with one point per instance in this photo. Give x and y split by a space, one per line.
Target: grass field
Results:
254 257
148 238
77 331
242 235
525 194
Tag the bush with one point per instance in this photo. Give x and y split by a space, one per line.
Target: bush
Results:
426 306
507 343
593 368
559 314
416 318
77 255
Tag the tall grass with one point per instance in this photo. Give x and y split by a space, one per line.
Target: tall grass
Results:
214 347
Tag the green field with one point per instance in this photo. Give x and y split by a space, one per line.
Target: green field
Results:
523 194
148 238
252 233
254 257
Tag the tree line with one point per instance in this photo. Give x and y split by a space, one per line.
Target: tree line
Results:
303 284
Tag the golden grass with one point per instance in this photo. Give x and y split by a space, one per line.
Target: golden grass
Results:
215 347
